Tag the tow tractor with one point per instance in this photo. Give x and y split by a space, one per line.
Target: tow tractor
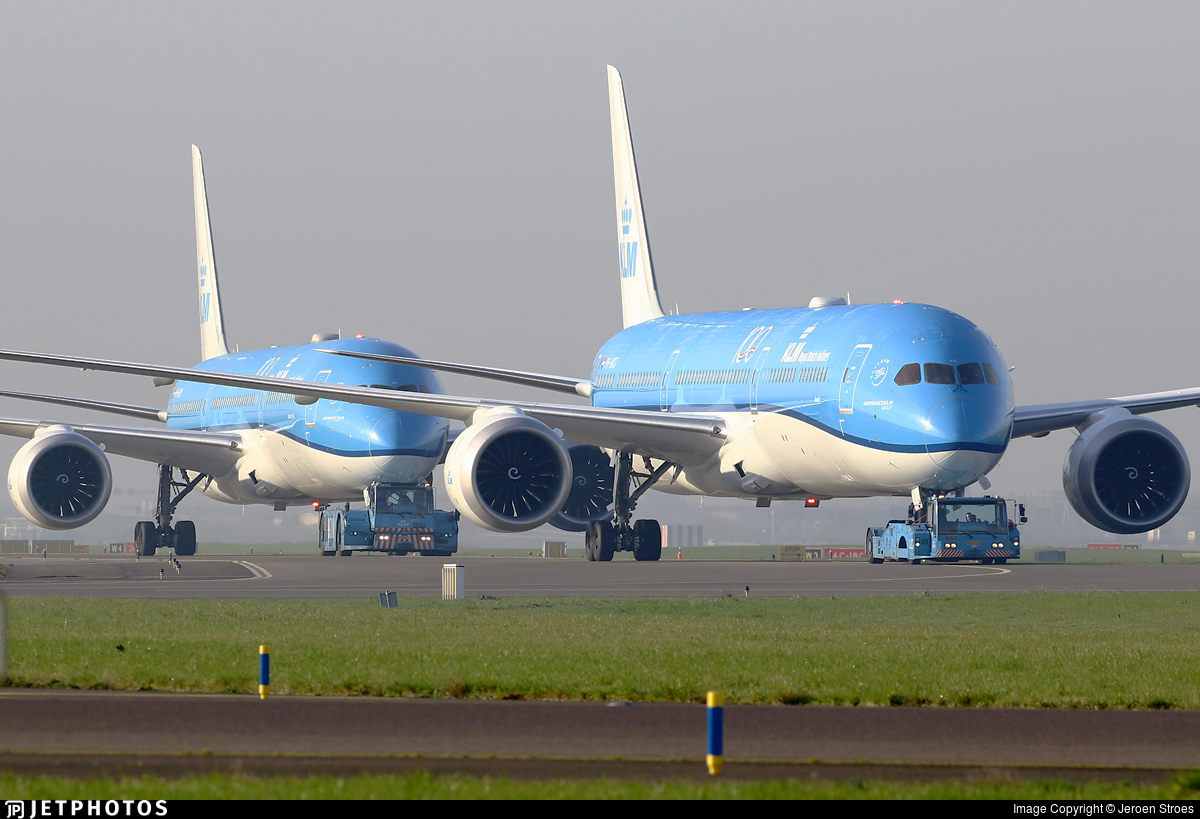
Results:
947 530
399 519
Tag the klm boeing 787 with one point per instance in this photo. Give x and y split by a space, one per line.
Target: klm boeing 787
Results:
831 400
235 444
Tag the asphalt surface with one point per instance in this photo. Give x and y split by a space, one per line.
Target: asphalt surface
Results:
87 732
298 576
109 733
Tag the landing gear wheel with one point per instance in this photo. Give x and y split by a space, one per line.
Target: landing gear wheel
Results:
145 538
185 538
591 538
647 540
603 538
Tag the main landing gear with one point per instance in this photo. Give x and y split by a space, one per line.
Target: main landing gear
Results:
148 537
643 537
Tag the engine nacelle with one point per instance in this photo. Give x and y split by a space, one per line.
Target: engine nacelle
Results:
508 472
591 488
60 479
1126 474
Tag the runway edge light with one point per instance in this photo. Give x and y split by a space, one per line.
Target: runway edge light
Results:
264 671
716 732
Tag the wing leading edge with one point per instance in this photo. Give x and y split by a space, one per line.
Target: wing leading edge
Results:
212 453
557 383
678 437
1038 420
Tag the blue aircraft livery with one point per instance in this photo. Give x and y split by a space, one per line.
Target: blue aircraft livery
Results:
831 400
325 450
897 380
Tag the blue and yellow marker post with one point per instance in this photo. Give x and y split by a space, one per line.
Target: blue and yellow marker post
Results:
716 732
264 671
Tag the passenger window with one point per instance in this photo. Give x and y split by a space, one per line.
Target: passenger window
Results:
909 374
939 374
990 374
970 373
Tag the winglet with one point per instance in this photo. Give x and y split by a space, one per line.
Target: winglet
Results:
639 291
212 320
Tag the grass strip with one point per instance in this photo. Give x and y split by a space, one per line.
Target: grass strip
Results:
421 785
1089 650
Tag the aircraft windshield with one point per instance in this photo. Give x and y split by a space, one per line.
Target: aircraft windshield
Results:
989 517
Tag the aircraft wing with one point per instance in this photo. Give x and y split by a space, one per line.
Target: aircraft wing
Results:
1042 419
212 453
677 437
558 383
145 413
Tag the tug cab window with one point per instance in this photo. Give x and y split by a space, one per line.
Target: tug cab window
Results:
909 374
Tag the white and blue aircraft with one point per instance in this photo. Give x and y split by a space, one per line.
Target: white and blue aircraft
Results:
831 400
238 445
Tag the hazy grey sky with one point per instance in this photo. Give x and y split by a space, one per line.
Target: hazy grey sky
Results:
440 174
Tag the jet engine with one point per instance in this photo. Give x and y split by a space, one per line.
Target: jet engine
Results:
60 479
1126 474
591 489
508 472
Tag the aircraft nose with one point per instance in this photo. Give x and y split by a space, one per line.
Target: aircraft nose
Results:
962 420
386 437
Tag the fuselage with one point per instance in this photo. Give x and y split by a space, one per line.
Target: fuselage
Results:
835 401
327 451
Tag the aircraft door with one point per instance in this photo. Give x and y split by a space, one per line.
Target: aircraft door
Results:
755 376
310 412
664 387
854 368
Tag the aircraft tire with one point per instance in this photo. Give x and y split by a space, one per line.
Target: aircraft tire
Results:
591 537
145 538
185 538
647 540
604 540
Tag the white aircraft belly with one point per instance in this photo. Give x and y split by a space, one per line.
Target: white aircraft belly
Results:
782 456
275 467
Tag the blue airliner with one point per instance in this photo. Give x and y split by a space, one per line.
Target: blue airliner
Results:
826 401
238 445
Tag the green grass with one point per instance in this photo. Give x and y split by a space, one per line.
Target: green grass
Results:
421 785
1090 650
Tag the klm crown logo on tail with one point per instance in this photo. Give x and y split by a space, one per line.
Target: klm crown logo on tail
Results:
629 254
205 298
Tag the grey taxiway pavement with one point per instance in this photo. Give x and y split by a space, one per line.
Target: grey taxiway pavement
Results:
298 576
105 732
110 733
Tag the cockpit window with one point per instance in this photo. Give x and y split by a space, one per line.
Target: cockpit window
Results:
989 372
970 373
939 374
909 374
